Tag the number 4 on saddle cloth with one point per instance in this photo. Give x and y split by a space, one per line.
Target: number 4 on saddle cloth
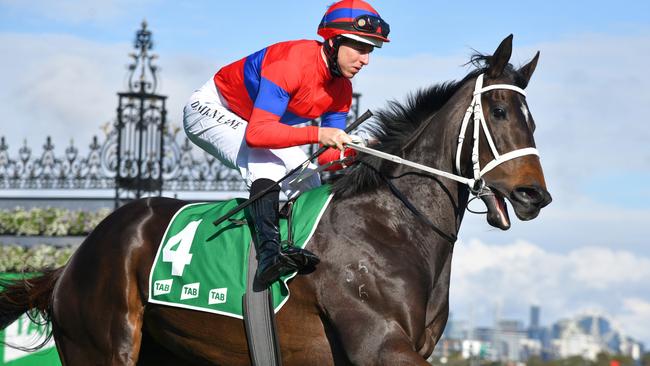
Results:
204 267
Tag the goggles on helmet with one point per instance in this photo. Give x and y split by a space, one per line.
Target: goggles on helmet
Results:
370 24
363 23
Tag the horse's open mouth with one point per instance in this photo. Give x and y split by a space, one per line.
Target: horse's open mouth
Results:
497 214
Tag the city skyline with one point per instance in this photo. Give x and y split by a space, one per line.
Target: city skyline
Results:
528 323
584 334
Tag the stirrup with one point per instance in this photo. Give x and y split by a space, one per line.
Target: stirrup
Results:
282 265
304 259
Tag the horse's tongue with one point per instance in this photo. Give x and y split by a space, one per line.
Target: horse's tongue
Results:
497 215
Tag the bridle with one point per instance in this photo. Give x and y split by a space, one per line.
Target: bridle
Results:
476 184
476 110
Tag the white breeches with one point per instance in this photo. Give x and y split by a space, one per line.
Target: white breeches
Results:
213 127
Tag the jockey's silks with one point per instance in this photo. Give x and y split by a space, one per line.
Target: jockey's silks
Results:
282 85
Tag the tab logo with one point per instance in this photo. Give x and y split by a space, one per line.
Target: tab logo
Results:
190 291
218 296
162 287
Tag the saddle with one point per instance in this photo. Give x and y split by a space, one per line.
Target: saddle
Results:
204 267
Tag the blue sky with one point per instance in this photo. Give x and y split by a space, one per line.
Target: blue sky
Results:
64 61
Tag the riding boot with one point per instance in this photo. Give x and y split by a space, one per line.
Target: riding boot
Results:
271 262
303 258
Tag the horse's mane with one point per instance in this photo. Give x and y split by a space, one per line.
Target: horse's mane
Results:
396 123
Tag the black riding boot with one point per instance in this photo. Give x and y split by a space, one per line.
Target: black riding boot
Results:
271 262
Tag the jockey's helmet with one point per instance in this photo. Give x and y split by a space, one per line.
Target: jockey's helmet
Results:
352 19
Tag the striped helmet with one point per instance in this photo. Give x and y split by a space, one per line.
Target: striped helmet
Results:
354 19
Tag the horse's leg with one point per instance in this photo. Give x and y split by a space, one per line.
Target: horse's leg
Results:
370 339
302 334
101 329
198 337
99 299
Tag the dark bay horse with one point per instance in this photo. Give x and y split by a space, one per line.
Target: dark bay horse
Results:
379 296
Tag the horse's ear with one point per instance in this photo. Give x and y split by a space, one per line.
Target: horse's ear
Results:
500 58
528 69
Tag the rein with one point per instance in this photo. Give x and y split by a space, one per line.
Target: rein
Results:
451 238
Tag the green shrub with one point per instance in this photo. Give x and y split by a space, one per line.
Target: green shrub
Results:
14 258
49 221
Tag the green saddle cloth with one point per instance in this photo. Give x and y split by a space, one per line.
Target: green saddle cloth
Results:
204 267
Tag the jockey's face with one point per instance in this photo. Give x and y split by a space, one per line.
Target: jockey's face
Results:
353 56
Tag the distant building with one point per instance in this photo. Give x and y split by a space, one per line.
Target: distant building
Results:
511 342
589 334
570 340
534 317
534 328
586 335
540 335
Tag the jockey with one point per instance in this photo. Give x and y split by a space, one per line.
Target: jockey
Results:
244 116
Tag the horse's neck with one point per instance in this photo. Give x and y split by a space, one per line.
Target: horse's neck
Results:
436 147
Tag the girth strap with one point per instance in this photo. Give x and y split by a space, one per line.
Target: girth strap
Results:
259 321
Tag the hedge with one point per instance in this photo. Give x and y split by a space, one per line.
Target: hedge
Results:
49 221
14 258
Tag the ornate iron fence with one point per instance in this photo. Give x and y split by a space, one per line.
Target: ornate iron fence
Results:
183 170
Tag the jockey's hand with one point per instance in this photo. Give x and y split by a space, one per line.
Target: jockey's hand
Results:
333 137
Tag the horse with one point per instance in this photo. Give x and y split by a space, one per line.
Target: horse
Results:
380 295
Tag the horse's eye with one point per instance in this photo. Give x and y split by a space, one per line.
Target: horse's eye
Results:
499 113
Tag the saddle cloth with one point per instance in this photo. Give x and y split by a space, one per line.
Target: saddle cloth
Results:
203 267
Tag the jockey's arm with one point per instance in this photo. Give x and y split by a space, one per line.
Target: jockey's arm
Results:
264 128
331 134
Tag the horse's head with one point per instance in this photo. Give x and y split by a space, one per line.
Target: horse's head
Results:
517 175
496 155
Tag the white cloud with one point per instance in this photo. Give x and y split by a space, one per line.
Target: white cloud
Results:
65 87
565 225
635 317
181 75
601 268
514 276
58 85
586 96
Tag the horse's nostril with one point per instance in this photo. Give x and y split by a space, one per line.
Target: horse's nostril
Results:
531 195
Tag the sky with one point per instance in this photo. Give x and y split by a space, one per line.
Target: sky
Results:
63 63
